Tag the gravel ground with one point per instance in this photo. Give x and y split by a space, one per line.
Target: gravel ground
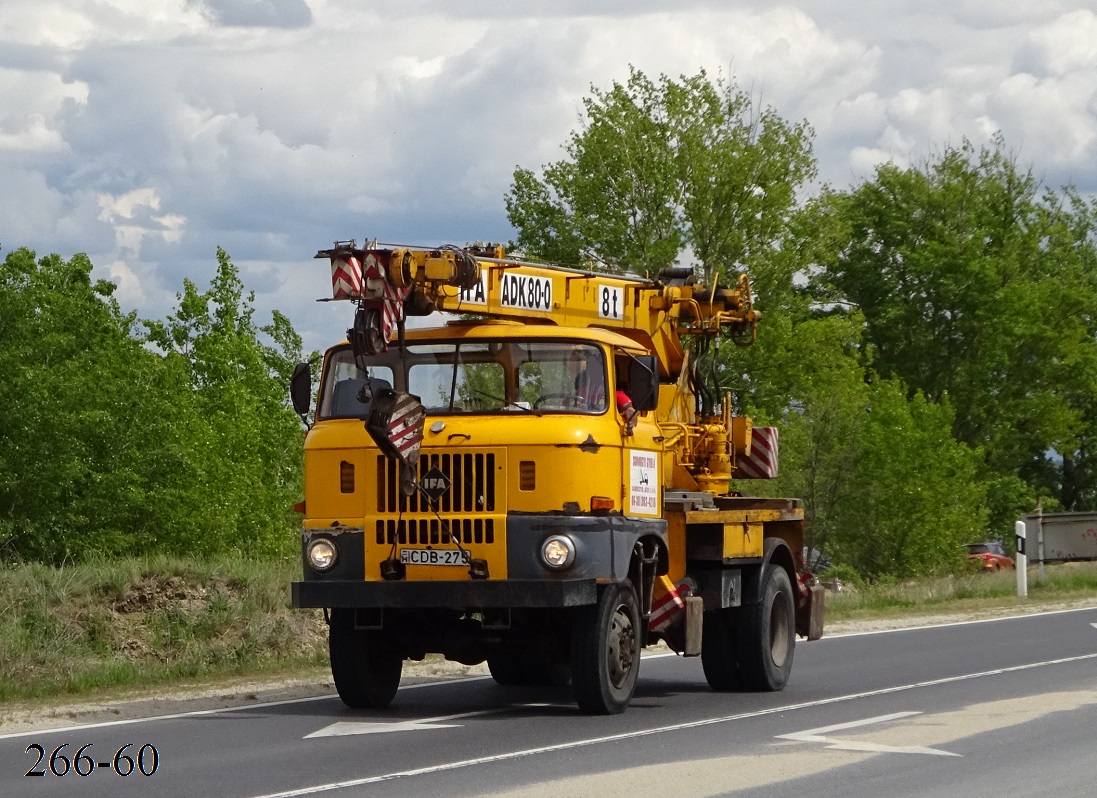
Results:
148 702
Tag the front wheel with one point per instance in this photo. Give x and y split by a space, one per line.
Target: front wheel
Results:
767 634
366 671
605 651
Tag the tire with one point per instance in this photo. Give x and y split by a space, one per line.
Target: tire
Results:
528 670
767 634
506 669
366 671
719 647
551 672
605 651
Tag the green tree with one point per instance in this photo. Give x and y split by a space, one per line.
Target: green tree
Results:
886 489
109 447
241 448
977 287
71 411
665 170
689 171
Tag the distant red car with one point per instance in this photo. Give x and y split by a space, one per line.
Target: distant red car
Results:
989 556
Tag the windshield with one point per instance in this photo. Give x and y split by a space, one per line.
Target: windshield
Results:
474 377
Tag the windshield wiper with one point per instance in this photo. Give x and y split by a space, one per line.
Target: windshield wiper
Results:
507 404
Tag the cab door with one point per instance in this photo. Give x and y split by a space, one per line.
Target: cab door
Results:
636 383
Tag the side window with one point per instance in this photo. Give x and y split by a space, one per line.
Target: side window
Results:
343 385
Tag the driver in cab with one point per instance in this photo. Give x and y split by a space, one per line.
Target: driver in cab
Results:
584 367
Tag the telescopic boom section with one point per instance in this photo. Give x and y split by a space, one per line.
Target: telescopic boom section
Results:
390 284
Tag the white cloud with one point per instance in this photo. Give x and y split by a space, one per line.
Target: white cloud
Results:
1052 117
130 291
125 205
148 132
76 23
136 206
255 13
1067 44
864 160
33 107
35 136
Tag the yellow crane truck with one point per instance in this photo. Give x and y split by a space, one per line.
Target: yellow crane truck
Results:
541 482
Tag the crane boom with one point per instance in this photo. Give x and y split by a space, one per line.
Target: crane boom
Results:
390 284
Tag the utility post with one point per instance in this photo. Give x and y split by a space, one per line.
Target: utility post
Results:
1040 538
1022 561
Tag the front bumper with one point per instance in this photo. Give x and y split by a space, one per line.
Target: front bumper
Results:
604 543
480 594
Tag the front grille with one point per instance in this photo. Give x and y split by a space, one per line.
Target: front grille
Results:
472 484
427 531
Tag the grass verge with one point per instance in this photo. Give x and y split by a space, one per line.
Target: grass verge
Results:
964 594
136 623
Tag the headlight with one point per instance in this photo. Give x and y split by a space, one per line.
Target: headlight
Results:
322 554
558 552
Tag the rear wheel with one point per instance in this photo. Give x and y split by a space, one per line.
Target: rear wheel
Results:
547 671
365 669
767 634
529 670
506 669
605 651
718 650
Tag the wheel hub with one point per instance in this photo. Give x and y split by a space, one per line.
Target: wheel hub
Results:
622 647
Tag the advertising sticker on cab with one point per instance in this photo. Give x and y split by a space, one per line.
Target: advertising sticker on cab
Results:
643 491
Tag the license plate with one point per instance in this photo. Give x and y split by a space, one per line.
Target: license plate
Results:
434 557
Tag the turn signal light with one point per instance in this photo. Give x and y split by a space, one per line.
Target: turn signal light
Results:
601 503
527 475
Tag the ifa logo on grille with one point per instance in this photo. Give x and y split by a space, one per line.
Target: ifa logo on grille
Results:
434 483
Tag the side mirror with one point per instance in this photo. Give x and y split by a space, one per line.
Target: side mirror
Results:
300 389
643 382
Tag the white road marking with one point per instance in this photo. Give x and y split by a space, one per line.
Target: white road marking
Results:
839 635
196 713
819 736
465 763
346 728
285 702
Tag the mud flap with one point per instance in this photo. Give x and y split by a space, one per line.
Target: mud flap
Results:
809 615
695 614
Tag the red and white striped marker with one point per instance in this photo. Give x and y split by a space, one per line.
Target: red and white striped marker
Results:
762 462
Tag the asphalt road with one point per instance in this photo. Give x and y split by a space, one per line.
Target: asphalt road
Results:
1003 707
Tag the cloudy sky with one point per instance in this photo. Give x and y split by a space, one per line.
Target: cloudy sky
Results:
148 132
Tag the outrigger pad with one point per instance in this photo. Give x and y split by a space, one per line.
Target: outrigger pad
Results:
396 425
